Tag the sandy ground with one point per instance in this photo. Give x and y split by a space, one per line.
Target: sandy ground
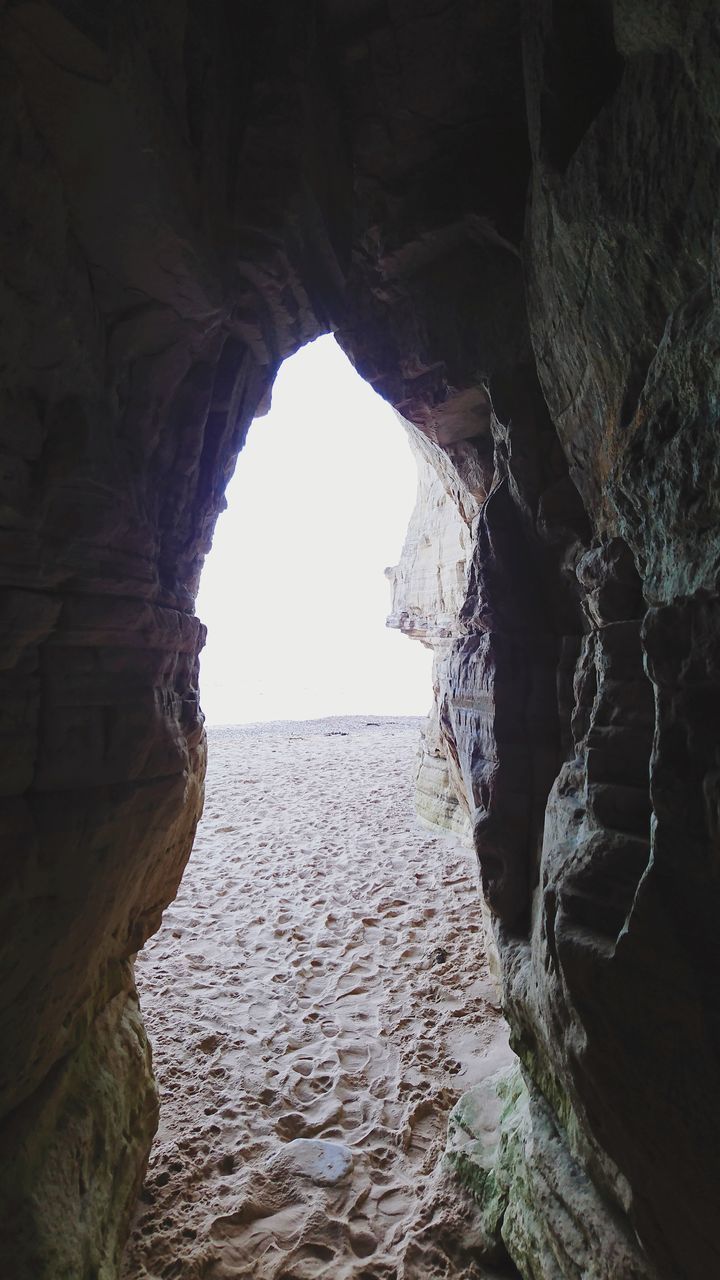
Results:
321 975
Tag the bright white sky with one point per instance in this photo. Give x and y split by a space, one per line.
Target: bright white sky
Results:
293 591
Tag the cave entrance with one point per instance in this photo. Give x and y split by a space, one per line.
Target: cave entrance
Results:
318 996
293 592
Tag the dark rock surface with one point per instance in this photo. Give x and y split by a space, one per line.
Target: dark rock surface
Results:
508 215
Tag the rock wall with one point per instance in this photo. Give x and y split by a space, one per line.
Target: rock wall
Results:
580 682
612 1006
428 589
507 214
153 251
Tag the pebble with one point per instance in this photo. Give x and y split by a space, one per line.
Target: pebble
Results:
324 1163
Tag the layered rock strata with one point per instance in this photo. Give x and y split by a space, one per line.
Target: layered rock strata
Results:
507 213
428 589
157 231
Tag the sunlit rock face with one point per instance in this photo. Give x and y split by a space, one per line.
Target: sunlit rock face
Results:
428 589
508 219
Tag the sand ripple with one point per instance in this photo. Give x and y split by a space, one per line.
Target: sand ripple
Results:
321 975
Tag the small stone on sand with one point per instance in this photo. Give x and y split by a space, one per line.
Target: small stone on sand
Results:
324 1163
316 901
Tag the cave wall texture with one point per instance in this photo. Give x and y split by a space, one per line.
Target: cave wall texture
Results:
506 212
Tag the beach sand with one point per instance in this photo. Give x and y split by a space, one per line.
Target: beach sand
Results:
321 975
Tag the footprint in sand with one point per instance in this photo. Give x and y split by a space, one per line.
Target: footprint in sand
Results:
308 1008
353 1060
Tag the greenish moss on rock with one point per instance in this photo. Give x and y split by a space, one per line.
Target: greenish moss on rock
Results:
535 1204
74 1154
474 1129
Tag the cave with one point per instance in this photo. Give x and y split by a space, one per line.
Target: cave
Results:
506 214
281 646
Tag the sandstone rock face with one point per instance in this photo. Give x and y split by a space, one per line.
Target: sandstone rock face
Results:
535 1199
84 1136
428 589
148 295
508 216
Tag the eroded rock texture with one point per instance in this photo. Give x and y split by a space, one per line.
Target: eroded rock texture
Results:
507 214
428 587
160 216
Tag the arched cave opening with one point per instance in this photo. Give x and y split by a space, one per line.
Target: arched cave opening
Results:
293 592
319 997
507 214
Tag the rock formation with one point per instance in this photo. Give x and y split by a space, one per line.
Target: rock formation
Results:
429 586
507 214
